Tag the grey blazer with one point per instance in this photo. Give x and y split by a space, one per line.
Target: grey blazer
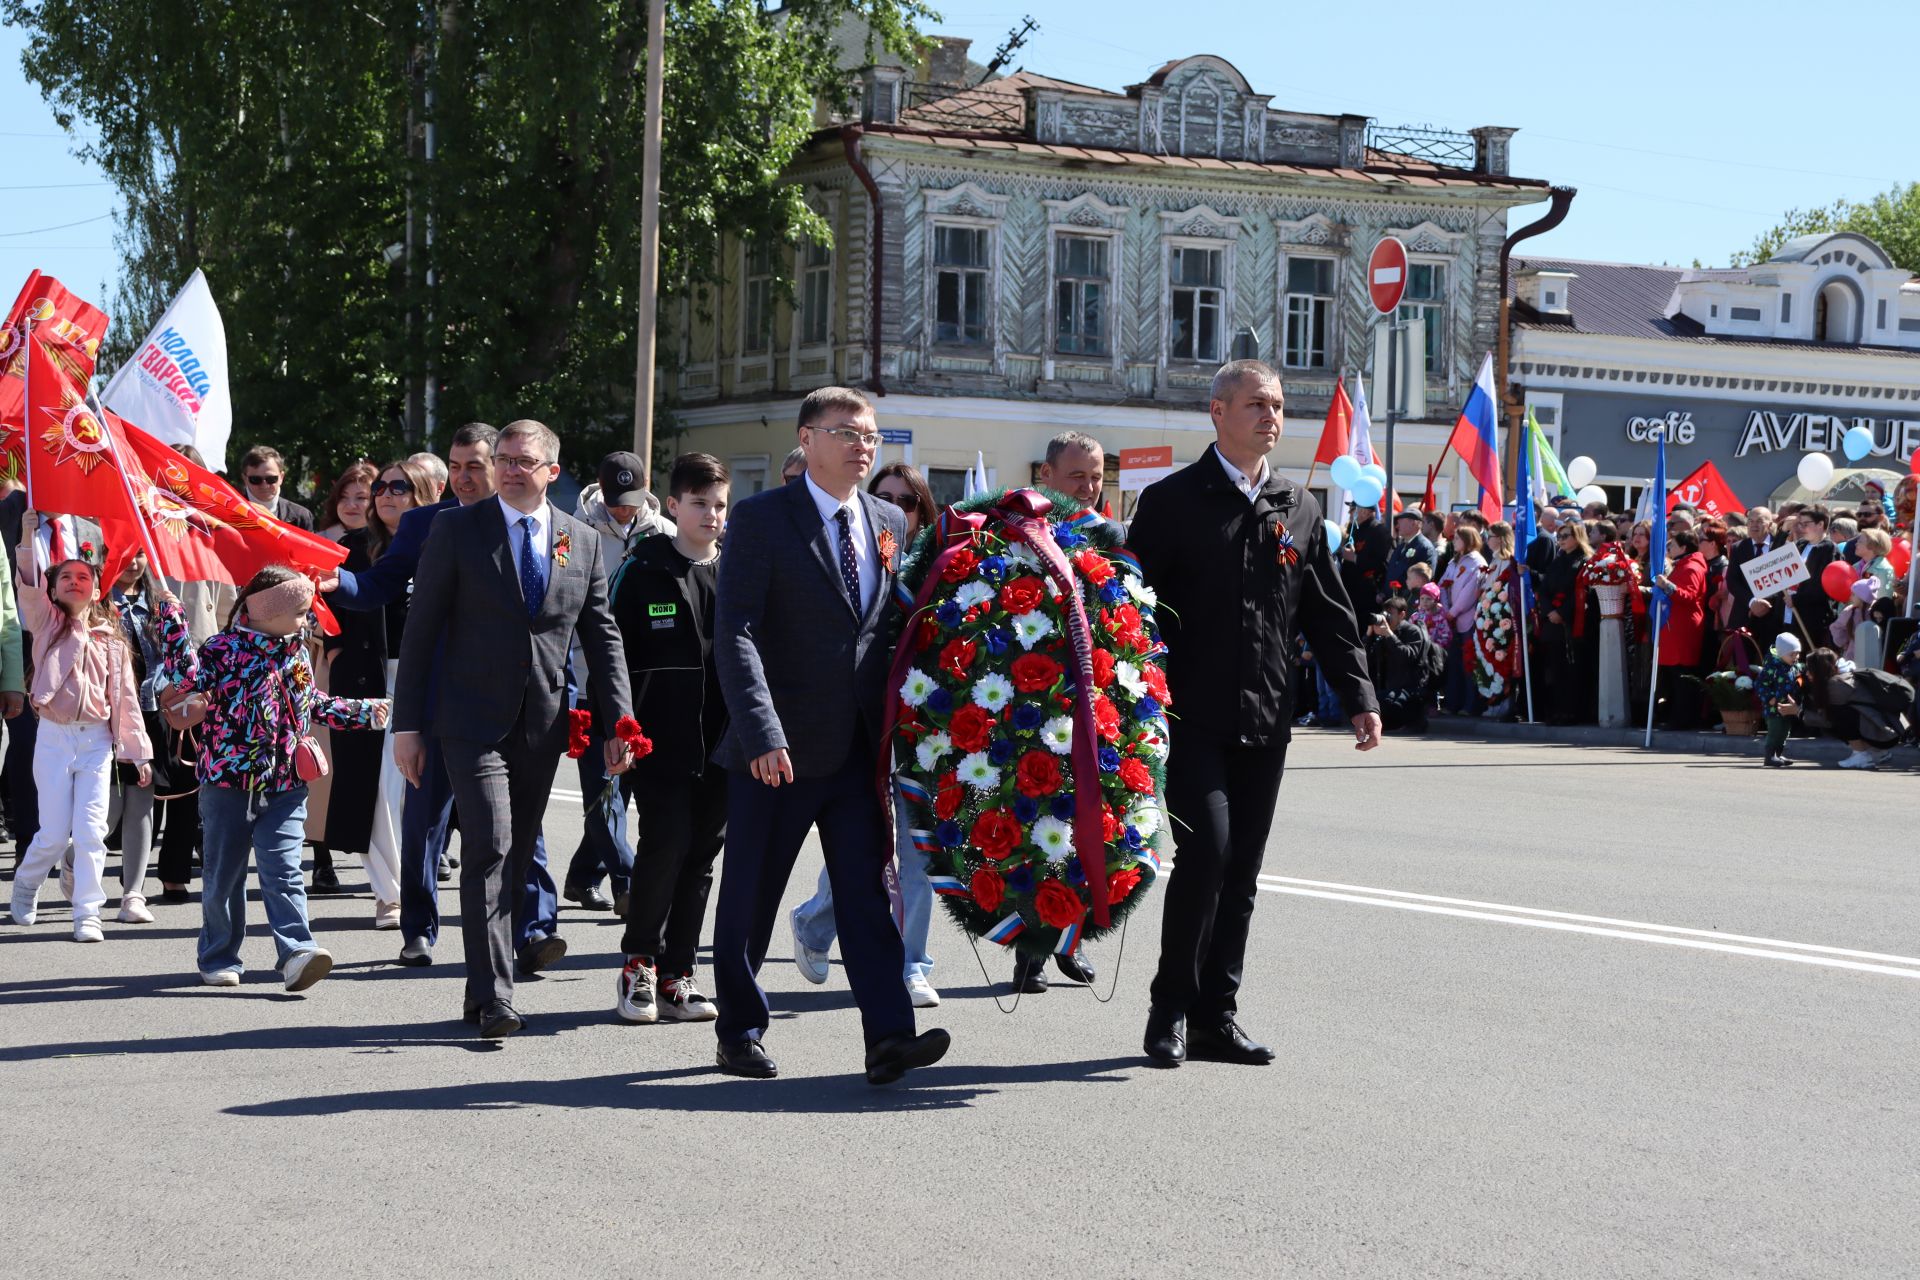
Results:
798 668
498 666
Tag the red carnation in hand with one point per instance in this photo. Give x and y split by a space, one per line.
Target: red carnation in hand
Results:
996 833
951 795
1094 567
1057 905
989 889
1038 774
1034 672
579 732
1106 718
970 728
1022 595
627 729
1102 668
960 567
1136 776
1120 884
957 657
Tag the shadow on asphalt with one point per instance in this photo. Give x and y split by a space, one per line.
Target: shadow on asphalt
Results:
936 1088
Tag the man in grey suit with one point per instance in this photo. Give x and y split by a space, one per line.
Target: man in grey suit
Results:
502 588
803 639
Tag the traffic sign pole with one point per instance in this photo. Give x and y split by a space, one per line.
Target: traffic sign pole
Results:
1393 403
1386 285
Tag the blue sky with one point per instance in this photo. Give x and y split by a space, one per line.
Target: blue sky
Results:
1689 126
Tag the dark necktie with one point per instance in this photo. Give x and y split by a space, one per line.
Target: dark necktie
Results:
533 583
849 569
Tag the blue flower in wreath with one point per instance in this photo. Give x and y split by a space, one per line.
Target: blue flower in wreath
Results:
997 641
1068 538
949 614
1001 751
1113 592
1133 838
1063 806
1076 874
940 700
949 835
1147 708
993 568
1025 810
1028 717
1109 760
1020 880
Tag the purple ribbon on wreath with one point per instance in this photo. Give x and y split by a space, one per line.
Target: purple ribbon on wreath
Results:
1022 513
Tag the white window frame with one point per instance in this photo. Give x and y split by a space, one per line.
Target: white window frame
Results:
1332 300
748 279
1109 310
1197 228
989 272
741 465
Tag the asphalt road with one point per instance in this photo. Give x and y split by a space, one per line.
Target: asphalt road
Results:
1466 1087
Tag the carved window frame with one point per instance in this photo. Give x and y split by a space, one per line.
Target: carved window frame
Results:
1200 227
1429 244
754 368
827 205
1089 216
967 205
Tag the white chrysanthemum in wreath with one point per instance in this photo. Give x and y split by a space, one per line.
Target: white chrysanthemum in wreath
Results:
993 691
1031 628
1057 734
1053 838
916 688
978 772
931 750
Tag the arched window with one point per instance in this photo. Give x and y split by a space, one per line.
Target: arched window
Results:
1836 313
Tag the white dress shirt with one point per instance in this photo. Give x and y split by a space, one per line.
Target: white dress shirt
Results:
864 559
542 536
43 540
1248 485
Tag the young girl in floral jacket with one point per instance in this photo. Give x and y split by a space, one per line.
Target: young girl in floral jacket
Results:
257 694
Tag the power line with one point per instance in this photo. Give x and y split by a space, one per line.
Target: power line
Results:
55 186
1738 164
8 235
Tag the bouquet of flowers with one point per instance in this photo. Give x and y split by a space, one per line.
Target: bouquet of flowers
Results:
1029 719
580 737
1496 638
1611 566
1732 691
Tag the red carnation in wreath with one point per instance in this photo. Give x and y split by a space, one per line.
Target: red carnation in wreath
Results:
1038 774
1022 595
995 833
1057 905
1033 673
970 728
989 888
957 656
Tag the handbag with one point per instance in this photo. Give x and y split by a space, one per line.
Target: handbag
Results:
309 758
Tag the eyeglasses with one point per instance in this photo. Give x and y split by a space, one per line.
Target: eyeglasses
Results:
262 482
512 463
852 438
399 488
904 501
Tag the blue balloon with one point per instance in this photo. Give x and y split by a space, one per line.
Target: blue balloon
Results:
1857 443
1333 535
1344 471
1365 491
1378 472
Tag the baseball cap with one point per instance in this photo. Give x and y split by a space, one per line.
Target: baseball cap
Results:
623 480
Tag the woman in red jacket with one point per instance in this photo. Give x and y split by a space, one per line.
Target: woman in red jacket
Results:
1686 587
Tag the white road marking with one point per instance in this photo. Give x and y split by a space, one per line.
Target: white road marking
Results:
1600 926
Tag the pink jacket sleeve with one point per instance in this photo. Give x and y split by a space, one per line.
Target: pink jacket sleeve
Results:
130 741
36 611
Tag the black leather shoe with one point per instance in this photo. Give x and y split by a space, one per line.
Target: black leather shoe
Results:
542 951
443 873
590 898
1029 974
417 954
1075 967
1166 1040
325 881
471 1015
175 897
896 1055
746 1058
1226 1042
498 1021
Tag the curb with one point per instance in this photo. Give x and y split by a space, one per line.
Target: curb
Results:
1666 742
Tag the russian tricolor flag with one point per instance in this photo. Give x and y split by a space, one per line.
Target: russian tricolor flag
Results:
1474 439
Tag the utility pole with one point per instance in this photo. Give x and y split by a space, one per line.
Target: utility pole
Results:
649 301
1015 39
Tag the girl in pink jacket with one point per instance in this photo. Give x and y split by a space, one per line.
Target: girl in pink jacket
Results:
85 694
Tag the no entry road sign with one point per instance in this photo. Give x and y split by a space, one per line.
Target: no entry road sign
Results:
1387 274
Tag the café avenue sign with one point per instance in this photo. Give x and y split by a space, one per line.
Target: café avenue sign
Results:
1770 432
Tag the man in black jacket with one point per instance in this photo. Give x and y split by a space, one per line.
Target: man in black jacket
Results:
263 471
1239 557
1813 608
1397 658
1410 547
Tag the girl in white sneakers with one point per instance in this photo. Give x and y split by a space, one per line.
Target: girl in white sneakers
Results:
85 694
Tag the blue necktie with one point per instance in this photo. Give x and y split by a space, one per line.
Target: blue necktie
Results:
849 569
533 583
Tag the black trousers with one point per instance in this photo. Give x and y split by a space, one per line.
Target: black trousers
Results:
501 790
181 831
683 826
1224 795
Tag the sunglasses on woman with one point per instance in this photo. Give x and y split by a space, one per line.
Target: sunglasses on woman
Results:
399 488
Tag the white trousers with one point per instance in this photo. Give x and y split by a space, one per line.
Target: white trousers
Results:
72 764
383 845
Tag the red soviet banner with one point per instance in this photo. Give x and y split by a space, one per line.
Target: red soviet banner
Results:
1706 491
69 327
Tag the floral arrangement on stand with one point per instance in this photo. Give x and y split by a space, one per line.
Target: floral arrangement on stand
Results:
1029 719
1732 691
1496 653
1610 566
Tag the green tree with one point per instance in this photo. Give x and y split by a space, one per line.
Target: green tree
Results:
1891 220
279 147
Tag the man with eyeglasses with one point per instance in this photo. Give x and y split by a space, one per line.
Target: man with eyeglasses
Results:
502 590
263 471
803 640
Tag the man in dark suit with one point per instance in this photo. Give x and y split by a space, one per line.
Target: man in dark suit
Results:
263 471
1764 623
803 640
1240 560
502 589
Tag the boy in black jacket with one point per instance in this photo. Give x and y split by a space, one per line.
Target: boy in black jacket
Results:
663 599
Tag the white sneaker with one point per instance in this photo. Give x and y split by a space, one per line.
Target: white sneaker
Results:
681 1001
921 992
1860 760
26 904
221 978
635 1000
133 909
304 968
87 929
813 965
386 915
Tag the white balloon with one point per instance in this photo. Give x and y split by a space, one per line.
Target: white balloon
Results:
1591 494
1816 472
1581 471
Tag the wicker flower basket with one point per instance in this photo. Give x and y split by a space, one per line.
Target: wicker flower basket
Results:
1741 724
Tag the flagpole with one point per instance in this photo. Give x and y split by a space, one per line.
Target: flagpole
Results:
26 404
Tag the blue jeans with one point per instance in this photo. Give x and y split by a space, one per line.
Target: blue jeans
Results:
1327 709
273 825
813 919
603 850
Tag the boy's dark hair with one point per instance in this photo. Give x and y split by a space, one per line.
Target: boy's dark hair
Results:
1685 538
1397 602
693 472
1818 511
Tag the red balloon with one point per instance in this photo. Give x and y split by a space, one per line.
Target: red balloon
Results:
1837 580
1900 557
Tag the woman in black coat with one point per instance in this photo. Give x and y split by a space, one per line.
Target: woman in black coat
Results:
1554 646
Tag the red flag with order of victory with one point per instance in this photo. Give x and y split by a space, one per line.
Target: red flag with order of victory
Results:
72 468
69 327
1706 491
